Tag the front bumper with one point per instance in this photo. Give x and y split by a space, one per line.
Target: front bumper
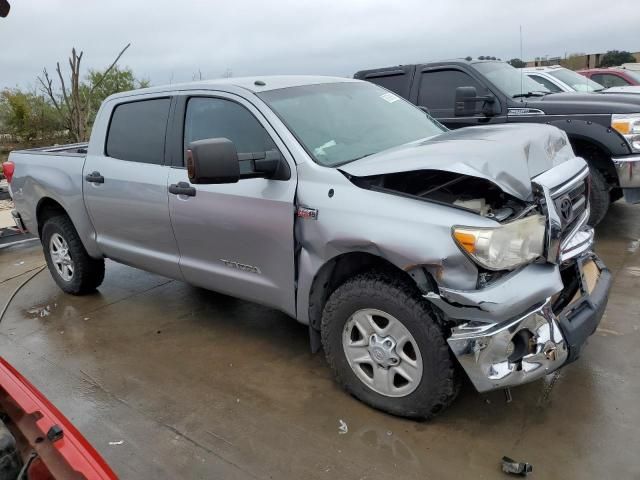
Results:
499 349
628 169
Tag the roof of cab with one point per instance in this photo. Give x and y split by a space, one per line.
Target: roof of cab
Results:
255 84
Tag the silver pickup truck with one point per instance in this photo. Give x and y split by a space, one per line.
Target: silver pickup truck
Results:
413 253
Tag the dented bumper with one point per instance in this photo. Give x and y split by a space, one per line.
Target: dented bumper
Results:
499 348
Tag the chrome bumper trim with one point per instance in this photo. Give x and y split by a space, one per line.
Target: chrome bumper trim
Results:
577 244
484 350
579 240
628 169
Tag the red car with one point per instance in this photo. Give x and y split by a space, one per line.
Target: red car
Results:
36 441
612 77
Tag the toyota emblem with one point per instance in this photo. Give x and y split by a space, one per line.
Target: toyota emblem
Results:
566 209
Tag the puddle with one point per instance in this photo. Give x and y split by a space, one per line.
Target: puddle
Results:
633 271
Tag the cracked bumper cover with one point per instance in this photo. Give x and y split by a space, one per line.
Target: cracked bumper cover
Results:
494 325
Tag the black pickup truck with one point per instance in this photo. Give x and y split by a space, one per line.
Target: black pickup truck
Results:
603 129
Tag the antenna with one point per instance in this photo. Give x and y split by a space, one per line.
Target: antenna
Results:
521 70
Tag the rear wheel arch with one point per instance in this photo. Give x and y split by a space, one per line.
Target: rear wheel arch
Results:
46 209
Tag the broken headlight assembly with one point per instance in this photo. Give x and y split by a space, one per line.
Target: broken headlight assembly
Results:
504 247
628 125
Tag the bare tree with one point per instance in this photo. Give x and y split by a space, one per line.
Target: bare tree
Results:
74 105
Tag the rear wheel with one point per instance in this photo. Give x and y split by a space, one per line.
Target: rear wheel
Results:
386 348
70 265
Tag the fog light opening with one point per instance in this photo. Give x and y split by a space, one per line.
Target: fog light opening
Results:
522 345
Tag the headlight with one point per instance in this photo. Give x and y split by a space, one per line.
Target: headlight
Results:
628 125
504 247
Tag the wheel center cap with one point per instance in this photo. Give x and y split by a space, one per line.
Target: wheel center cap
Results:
378 354
382 350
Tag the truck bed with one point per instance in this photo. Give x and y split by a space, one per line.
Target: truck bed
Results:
79 149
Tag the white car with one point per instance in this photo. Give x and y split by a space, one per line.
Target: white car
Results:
559 79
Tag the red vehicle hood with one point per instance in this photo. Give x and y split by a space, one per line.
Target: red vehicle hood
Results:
66 456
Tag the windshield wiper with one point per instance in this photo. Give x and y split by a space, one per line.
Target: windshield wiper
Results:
531 94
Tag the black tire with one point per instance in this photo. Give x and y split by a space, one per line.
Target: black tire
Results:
439 384
88 272
599 198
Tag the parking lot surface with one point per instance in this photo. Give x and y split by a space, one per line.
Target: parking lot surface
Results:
170 381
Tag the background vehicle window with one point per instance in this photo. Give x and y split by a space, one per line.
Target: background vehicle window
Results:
438 90
549 85
137 131
398 83
219 118
608 80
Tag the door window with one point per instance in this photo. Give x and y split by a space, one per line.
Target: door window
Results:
548 84
397 82
438 90
220 118
137 131
609 80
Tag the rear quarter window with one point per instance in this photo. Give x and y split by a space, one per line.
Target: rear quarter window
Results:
137 131
396 83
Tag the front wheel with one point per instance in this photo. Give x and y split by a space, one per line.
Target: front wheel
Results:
386 349
70 265
599 198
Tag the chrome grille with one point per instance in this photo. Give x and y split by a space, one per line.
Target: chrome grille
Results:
570 204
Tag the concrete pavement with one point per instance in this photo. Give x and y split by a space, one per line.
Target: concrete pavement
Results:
200 385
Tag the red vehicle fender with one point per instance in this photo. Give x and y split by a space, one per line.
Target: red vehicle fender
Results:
60 446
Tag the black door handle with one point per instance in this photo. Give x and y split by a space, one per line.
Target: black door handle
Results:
182 188
94 177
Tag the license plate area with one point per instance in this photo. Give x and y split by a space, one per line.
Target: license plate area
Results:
588 273
580 280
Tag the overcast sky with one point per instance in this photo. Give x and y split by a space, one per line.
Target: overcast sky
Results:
171 41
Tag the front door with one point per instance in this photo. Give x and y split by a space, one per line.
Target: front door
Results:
236 238
125 189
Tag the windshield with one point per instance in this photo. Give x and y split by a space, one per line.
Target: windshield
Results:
578 82
341 122
512 81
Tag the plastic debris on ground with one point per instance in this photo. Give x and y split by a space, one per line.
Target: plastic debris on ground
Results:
516 468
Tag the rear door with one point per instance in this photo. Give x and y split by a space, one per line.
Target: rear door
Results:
435 89
235 238
125 187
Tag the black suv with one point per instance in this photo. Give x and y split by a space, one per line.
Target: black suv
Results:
603 129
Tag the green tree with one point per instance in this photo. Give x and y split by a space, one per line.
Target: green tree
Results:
98 86
28 116
516 62
75 108
613 58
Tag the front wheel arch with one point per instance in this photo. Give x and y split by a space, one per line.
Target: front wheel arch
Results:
342 268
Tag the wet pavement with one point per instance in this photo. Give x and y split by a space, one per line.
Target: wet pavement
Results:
199 385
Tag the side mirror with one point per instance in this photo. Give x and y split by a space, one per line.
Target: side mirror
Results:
466 100
213 160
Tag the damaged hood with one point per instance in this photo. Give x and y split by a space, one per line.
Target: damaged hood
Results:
506 155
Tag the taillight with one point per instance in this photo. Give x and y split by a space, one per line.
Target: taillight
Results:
7 170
